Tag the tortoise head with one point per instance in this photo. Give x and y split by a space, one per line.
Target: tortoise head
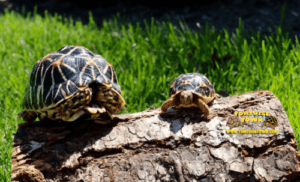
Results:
186 97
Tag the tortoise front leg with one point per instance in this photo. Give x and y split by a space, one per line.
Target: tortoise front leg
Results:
28 116
168 103
204 108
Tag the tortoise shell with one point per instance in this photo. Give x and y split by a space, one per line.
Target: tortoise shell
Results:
71 70
234 121
191 90
194 82
271 122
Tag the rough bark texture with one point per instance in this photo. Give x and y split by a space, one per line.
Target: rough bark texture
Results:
178 146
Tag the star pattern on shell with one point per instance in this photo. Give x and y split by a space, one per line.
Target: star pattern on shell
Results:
72 83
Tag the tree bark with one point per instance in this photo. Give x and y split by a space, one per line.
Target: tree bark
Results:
179 146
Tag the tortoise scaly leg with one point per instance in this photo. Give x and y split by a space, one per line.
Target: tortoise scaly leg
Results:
204 108
168 103
71 109
72 117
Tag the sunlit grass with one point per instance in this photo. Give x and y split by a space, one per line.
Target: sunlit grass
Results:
146 62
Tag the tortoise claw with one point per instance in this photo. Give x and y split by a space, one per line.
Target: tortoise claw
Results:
97 113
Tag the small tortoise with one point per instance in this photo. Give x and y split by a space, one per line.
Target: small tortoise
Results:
72 83
234 121
191 90
271 122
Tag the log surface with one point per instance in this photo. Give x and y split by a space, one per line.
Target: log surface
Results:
178 146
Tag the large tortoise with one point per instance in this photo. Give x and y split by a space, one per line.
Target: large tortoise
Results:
191 90
72 83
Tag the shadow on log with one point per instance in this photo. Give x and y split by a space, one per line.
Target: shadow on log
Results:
176 146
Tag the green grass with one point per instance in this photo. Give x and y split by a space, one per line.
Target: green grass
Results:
146 62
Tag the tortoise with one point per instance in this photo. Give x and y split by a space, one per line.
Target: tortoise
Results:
191 90
271 121
234 121
70 84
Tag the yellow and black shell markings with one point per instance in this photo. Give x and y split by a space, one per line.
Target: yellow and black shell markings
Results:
69 83
195 82
190 90
234 121
271 122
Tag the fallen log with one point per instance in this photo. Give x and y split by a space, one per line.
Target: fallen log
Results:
179 145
